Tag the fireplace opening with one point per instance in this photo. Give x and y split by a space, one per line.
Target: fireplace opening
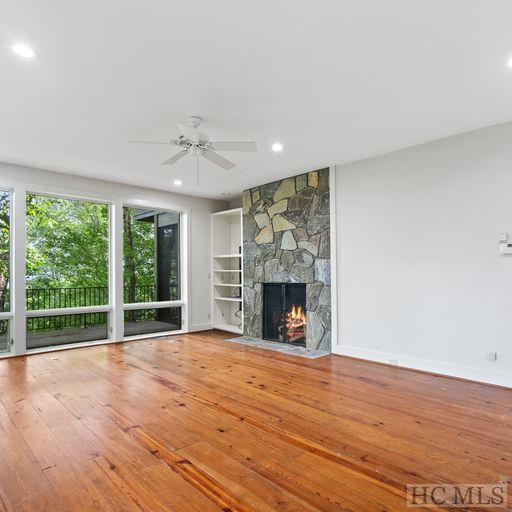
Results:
284 312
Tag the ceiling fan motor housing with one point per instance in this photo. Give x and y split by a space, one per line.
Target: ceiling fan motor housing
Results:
195 121
192 142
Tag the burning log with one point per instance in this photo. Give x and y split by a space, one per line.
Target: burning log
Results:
295 322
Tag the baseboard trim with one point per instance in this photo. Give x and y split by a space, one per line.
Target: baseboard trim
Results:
200 327
427 365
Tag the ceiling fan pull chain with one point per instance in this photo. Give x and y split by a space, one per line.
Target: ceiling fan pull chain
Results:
197 170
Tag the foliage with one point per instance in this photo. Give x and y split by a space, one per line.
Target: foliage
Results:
67 248
138 249
67 243
4 249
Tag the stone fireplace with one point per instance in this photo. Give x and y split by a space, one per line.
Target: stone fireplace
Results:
286 227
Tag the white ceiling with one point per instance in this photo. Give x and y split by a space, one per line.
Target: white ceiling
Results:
334 81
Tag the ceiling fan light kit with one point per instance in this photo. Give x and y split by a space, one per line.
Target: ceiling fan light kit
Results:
193 142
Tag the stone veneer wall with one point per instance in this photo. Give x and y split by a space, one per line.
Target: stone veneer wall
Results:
287 239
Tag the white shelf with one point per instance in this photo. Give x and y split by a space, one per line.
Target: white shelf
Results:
229 328
227 272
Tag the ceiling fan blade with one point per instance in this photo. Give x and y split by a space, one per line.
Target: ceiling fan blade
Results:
176 157
189 132
234 146
172 142
216 159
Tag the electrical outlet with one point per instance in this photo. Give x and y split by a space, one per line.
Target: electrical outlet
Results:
209 316
393 361
492 356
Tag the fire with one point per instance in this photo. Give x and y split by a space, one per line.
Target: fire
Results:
297 315
295 323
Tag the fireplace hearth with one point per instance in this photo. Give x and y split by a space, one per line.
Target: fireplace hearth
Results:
284 312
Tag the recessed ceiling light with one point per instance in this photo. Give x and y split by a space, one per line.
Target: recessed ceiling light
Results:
178 183
277 147
509 63
23 50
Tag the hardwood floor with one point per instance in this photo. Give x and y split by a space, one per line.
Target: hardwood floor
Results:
192 423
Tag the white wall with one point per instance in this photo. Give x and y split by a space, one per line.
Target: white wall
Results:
235 202
420 278
200 211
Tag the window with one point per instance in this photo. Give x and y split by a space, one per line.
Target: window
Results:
151 245
149 321
4 335
5 267
72 253
151 248
5 252
67 251
46 331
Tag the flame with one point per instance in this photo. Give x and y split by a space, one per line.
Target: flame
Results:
297 314
295 323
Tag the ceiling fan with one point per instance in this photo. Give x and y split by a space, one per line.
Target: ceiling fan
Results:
193 142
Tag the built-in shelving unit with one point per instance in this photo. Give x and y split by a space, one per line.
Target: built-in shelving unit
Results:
227 275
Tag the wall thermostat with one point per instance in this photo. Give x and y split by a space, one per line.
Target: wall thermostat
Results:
506 248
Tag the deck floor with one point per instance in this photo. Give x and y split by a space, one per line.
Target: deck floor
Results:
68 335
193 423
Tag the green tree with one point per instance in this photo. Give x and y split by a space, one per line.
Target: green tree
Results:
4 250
67 244
139 255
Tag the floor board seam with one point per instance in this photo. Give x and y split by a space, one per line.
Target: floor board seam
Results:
309 446
189 471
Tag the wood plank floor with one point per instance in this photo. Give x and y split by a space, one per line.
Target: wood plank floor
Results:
192 423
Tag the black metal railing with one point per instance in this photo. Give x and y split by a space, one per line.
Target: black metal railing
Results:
72 297
144 293
57 298
54 298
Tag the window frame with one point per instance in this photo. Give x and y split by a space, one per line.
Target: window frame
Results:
18 314
130 306
8 315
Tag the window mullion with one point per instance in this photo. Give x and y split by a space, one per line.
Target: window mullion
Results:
116 272
18 256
